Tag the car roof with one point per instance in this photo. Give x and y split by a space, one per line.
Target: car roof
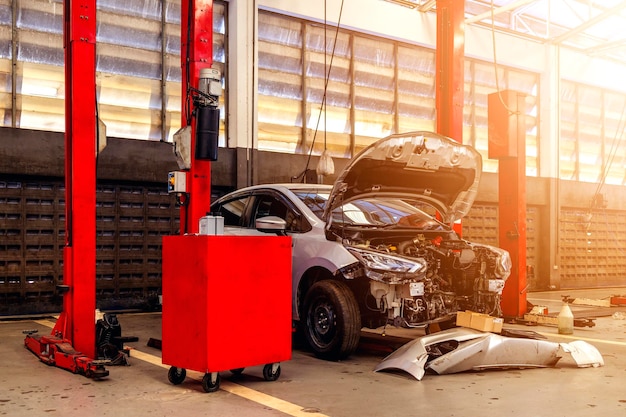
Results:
289 186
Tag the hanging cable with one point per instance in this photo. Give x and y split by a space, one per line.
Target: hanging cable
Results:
326 71
325 165
326 81
495 61
617 138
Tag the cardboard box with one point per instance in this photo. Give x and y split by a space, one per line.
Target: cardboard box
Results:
464 318
482 322
479 321
497 324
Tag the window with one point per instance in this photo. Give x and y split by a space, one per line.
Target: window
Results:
233 211
480 82
385 212
341 94
270 205
591 147
315 200
135 50
280 84
327 91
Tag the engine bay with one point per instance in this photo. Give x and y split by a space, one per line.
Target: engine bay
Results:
458 275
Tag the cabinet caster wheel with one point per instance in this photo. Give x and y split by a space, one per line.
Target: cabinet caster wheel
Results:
211 382
271 371
176 375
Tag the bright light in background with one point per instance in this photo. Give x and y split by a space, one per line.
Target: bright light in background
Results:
594 27
39 90
333 124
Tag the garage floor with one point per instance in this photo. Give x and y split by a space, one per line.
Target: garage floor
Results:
313 388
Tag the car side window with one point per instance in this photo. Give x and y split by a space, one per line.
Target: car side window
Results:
233 211
268 205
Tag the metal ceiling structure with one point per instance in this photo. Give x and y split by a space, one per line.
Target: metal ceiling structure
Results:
594 27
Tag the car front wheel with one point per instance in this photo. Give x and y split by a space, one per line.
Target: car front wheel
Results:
332 322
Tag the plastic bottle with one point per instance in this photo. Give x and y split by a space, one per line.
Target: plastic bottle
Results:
566 320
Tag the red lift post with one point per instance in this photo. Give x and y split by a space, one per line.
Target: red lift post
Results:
72 343
196 53
449 78
507 143
510 151
449 73
226 299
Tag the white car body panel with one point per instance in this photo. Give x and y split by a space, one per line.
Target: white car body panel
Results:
481 351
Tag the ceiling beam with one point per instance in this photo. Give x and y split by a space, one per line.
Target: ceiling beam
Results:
603 48
429 4
497 11
411 4
589 23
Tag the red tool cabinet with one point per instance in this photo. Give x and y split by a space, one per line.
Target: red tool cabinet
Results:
226 305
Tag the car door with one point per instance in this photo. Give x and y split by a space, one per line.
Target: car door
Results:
241 211
274 203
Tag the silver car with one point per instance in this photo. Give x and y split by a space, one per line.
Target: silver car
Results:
378 246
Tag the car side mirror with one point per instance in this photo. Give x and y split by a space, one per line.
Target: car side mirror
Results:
271 224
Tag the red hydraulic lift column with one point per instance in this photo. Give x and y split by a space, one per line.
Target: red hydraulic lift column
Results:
196 53
72 343
507 143
449 77
79 256
195 337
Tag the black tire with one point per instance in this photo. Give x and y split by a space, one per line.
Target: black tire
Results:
208 384
176 375
268 374
331 320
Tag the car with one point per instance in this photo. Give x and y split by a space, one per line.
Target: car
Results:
378 247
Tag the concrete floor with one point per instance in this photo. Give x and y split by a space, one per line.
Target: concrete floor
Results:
313 388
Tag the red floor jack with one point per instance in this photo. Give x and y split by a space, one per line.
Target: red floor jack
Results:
55 350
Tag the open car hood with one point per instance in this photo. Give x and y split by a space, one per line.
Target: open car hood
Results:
419 165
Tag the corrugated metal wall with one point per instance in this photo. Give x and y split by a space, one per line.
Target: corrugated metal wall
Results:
134 212
131 219
592 247
481 226
32 236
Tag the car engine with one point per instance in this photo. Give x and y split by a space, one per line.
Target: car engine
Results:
456 275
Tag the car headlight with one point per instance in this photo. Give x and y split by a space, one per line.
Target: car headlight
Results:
388 268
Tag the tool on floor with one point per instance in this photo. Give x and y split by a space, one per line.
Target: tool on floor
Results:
57 350
110 342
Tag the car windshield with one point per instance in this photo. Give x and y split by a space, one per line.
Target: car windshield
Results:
385 212
315 200
375 212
